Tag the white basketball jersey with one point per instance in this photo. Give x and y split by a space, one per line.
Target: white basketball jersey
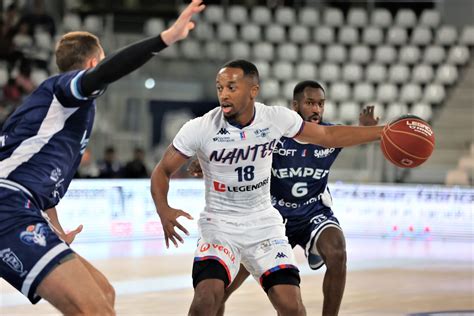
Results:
236 161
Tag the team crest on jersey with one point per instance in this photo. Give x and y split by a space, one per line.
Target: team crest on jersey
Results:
35 235
11 259
262 132
55 174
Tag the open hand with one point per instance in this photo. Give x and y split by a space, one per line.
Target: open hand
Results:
367 118
70 236
169 222
180 29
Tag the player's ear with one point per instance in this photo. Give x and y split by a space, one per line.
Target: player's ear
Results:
254 91
91 62
294 104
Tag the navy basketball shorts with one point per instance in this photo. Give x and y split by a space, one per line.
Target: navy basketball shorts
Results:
306 234
29 248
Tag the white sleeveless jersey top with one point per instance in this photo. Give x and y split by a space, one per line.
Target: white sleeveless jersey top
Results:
236 161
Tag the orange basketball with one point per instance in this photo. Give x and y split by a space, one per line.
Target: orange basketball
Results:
407 142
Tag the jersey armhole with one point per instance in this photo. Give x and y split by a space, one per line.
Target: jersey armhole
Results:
300 130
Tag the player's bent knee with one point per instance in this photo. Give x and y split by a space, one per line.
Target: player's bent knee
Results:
284 276
336 258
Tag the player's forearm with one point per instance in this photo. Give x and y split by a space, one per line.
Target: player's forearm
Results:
343 136
159 189
339 136
120 64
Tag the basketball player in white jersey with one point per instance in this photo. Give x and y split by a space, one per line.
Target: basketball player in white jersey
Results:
234 145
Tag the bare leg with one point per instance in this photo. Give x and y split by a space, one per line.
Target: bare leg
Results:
208 297
72 289
287 300
332 248
238 280
101 280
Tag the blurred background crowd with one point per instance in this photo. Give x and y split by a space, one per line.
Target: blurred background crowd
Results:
401 56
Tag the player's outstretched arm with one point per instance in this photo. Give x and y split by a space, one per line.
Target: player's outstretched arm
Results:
135 55
160 178
338 136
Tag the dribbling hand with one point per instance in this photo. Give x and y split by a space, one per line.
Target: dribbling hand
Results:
180 29
169 220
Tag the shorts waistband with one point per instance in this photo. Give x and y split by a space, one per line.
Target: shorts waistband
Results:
8 184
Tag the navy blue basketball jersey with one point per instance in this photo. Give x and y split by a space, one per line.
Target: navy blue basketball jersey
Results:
42 142
299 178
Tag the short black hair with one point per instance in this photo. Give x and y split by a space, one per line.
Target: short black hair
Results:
247 67
299 88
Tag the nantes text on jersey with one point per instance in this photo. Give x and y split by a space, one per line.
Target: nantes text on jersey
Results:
236 160
42 142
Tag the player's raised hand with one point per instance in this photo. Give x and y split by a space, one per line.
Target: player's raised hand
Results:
367 118
169 220
194 169
70 236
180 29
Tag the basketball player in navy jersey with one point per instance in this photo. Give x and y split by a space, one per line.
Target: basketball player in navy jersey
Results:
41 145
299 191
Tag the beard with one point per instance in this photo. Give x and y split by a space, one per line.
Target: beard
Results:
316 118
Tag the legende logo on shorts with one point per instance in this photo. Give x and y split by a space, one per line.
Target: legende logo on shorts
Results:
221 187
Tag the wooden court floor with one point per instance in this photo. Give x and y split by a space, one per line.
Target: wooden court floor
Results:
374 287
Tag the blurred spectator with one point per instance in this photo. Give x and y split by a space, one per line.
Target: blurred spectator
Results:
87 168
23 79
38 20
11 92
136 167
8 23
22 40
109 166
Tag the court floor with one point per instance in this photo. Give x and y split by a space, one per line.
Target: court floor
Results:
385 277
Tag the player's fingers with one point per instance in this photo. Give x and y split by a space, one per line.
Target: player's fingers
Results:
183 213
178 237
181 227
171 237
167 243
78 229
